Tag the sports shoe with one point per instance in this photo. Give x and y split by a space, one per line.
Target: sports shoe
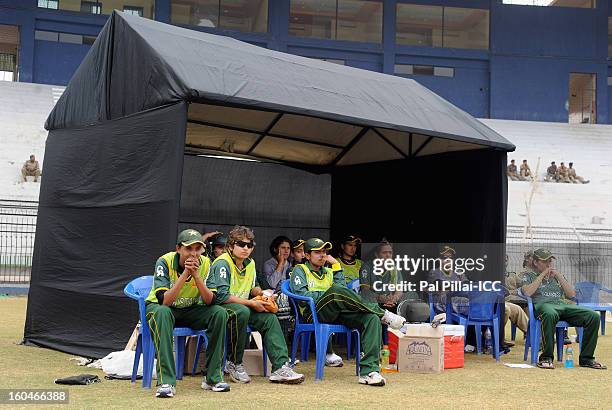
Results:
286 375
217 387
392 320
333 360
237 373
165 390
372 379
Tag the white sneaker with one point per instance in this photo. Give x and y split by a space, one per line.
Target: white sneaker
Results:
237 372
392 320
286 375
218 387
165 390
372 379
333 360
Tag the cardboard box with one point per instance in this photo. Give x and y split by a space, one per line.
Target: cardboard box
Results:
253 362
421 349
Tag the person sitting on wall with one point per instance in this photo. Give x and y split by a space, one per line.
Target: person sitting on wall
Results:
526 171
351 266
571 174
512 172
563 174
551 173
277 268
179 297
335 303
547 286
233 280
30 169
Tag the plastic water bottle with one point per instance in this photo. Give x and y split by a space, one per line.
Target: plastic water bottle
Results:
384 357
488 343
569 357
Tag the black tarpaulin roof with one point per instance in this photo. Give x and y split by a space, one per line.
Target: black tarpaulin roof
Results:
262 103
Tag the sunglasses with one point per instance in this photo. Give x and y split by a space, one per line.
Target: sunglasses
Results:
242 244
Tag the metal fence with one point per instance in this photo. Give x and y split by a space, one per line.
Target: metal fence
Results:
581 254
17 232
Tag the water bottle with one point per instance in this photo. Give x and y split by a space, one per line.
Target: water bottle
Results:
569 357
488 344
384 357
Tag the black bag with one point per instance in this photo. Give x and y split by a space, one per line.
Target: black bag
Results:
81 379
414 311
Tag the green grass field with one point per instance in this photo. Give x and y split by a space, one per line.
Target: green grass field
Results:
483 383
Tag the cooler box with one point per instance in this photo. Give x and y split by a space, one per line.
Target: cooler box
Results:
393 343
453 346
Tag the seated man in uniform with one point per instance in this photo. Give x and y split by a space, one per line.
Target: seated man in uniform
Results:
176 300
233 280
351 266
512 172
563 174
525 171
571 174
408 304
551 173
30 169
546 286
335 303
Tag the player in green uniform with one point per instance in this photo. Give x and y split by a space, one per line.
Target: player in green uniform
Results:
335 303
546 286
179 297
351 266
233 280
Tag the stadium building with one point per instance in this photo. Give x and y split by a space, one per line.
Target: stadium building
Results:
541 60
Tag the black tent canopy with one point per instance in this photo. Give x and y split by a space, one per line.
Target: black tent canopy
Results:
128 163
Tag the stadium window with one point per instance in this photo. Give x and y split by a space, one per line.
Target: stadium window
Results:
351 20
46 35
91 7
48 4
8 66
135 11
239 15
419 25
436 26
430 70
581 4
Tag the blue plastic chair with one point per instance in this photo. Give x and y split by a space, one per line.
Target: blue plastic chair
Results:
534 334
483 310
138 289
587 295
321 330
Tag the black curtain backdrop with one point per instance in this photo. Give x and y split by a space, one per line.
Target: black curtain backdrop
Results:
272 199
108 208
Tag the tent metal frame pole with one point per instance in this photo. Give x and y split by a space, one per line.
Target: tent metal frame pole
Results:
266 132
427 141
395 147
350 145
410 145
248 131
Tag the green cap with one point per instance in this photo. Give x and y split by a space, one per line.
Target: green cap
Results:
543 254
220 239
447 251
297 243
316 244
352 239
189 237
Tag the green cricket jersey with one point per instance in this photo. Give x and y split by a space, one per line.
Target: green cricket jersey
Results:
167 272
550 290
306 281
351 269
227 279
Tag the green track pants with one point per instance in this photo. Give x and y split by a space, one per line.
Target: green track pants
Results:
550 314
163 319
265 323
